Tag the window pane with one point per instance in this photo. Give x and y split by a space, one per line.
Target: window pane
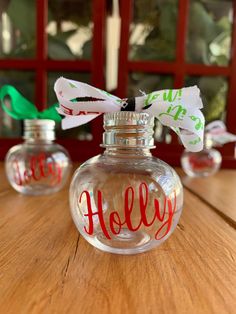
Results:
83 132
70 29
17 29
23 81
148 83
209 32
214 95
153 31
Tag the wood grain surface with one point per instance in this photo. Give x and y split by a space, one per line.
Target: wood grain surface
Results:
219 191
46 267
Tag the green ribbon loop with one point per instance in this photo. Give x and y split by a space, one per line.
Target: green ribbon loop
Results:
22 108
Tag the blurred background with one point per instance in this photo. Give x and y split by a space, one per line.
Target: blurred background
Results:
122 46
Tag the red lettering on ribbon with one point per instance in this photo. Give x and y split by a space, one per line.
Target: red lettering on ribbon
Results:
70 112
67 110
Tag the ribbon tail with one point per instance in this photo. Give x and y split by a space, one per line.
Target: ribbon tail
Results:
70 121
185 119
191 141
21 108
12 114
70 89
50 113
73 121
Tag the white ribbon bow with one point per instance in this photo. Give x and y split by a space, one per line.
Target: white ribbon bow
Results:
176 108
219 134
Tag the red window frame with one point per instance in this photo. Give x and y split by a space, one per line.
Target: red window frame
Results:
79 150
179 69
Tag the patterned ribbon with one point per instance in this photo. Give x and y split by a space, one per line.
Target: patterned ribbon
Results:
20 108
219 134
177 108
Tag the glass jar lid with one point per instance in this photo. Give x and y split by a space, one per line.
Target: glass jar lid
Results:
39 129
128 129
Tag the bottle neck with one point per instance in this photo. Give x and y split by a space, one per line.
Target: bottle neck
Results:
33 141
39 131
121 152
128 134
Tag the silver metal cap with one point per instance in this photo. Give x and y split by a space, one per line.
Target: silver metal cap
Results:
39 130
128 129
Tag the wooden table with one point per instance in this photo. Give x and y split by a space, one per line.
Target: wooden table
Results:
46 267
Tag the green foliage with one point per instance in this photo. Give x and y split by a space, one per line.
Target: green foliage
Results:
76 11
208 42
209 34
148 83
214 90
22 14
58 49
160 21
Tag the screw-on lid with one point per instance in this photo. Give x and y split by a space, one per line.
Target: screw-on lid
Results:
39 129
128 129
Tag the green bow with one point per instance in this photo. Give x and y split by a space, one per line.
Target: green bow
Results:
22 109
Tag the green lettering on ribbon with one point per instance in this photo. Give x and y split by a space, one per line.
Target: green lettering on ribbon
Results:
150 98
194 142
72 85
199 125
176 112
168 95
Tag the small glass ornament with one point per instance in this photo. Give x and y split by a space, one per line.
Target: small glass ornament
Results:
38 166
126 201
204 163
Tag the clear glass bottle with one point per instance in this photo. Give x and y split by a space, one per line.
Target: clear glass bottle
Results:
126 201
204 163
38 166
